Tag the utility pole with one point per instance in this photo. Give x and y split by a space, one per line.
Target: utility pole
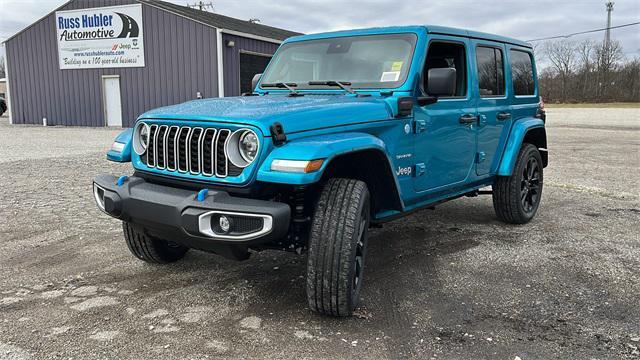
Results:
202 6
607 34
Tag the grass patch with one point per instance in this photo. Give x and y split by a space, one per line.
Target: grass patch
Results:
619 105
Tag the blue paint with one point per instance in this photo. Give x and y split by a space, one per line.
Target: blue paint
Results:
124 156
434 159
202 194
324 147
122 180
518 132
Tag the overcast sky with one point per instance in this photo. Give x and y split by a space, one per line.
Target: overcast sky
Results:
521 19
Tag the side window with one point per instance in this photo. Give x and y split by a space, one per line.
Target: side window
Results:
448 55
522 73
490 71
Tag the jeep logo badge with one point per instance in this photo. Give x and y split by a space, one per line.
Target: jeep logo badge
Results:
404 171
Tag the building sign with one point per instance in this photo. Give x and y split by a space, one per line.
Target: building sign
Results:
107 37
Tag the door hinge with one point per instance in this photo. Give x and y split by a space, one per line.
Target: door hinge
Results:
421 168
480 157
419 126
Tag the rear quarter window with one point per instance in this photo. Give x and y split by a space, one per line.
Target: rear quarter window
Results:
522 73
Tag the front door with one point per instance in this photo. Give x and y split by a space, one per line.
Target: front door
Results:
112 100
445 136
493 105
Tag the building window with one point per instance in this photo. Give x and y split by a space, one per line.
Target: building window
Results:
522 73
490 71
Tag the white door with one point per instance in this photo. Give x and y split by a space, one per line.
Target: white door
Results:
112 104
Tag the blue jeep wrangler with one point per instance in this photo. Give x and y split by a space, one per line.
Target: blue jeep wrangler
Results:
344 131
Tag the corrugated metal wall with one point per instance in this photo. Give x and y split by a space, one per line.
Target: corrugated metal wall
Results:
231 59
180 58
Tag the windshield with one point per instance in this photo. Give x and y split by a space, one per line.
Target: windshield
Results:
372 61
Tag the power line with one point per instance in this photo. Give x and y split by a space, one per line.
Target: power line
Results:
584 32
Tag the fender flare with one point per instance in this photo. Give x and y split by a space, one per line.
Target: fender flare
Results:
518 132
124 137
326 147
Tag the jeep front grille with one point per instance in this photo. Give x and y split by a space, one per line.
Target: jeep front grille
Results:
189 150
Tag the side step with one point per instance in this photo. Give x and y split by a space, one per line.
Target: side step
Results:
479 192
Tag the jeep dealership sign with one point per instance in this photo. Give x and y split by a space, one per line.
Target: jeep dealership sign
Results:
107 37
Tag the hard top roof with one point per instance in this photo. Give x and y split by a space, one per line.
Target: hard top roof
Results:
431 29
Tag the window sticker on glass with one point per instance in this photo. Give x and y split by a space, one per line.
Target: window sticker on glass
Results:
390 76
397 66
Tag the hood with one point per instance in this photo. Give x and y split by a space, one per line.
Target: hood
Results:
296 114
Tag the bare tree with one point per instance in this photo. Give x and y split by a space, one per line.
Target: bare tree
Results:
562 55
2 73
595 74
586 52
609 54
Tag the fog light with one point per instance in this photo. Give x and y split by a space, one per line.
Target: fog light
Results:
98 194
221 224
225 224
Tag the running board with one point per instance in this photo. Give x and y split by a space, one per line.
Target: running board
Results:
479 192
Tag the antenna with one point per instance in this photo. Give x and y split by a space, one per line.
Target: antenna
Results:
202 6
607 34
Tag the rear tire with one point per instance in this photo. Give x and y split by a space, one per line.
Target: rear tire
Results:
151 250
516 198
337 247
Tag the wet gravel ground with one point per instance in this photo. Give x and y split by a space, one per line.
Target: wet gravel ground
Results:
446 284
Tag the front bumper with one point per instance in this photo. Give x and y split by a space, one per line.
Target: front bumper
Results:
179 216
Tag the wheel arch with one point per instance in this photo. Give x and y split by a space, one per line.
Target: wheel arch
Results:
373 168
538 137
354 155
529 130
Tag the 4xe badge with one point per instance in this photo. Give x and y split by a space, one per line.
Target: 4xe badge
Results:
404 171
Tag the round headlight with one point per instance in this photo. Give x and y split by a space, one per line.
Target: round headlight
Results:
140 138
242 147
248 146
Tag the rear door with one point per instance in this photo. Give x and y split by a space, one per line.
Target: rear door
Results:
494 113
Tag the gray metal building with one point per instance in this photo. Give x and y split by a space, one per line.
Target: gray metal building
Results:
164 54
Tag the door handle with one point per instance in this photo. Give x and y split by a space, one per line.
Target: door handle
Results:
503 116
468 119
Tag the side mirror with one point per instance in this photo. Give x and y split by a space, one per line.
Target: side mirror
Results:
441 82
255 81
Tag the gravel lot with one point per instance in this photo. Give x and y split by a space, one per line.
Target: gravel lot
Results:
445 284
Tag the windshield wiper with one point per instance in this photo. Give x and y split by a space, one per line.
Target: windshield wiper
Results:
288 86
344 85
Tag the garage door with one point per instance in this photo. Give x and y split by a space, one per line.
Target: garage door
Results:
251 64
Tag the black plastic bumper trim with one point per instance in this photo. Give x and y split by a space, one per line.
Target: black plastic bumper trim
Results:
174 212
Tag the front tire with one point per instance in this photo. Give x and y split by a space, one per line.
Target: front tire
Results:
149 249
337 247
516 198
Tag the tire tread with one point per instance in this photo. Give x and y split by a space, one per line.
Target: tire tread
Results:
148 249
331 246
